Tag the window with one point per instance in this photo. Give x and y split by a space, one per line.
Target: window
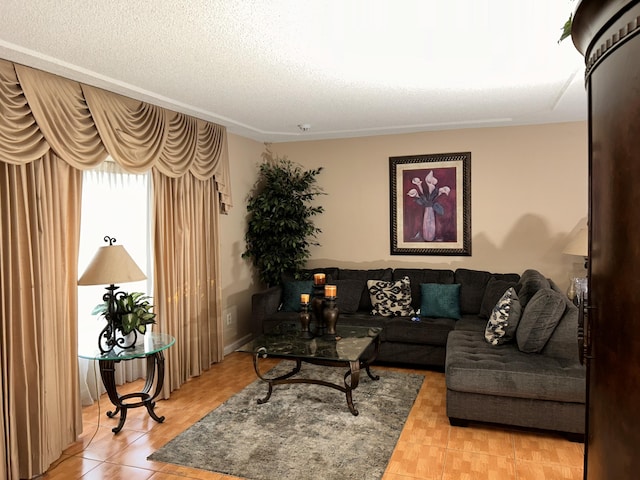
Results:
117 204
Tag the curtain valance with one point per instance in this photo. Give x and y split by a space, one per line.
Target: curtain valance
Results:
83 124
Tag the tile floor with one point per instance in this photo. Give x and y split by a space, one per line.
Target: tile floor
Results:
428 448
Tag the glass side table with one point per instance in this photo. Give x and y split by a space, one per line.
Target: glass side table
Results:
151 348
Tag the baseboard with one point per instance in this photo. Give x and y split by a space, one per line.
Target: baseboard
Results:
237 344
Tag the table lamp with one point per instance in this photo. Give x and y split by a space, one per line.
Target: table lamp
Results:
579 245
111 264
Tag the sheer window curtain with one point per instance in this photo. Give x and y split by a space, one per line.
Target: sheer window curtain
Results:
114 203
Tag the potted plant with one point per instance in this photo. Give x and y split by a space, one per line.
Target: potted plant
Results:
132 312
280 228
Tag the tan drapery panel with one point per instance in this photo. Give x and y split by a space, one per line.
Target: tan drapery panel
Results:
39 212
46 122
186 252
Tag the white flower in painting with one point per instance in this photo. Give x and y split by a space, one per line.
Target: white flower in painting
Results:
418 182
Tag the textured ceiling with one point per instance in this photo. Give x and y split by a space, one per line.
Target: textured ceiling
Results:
345 68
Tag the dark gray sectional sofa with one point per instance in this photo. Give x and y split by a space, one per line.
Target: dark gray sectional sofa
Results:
534 380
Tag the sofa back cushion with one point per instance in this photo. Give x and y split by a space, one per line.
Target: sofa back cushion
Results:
530 282
472 287
493 292
362 276
331 274
419 276
349 293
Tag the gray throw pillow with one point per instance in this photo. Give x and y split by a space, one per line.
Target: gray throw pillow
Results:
539 320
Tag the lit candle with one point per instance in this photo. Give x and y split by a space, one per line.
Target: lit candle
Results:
319 278
330 290
304 298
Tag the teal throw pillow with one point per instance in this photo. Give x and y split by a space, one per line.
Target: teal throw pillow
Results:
440 300
291 292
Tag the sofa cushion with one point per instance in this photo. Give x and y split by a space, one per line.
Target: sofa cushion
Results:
474 366
349 293
539 319
502 324
472 286
427 332
363 276
494 290
418 276
291 291
530 282
472 323
391 299
363 319
440 300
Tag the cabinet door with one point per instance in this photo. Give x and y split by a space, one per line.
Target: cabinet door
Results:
613 406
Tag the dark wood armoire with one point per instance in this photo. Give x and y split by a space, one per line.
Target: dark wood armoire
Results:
607 33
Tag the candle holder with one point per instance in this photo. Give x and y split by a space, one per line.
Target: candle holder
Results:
317 307
331 314
305 321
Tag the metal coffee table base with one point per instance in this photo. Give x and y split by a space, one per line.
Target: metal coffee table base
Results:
351 377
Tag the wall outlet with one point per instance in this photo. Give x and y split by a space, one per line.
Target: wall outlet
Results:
229 319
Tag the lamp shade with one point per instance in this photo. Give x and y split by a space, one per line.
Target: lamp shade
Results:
111 265
579 244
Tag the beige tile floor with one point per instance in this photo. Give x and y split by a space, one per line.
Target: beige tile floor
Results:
428 448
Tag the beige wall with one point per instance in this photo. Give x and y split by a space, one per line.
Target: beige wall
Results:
529 193
238 279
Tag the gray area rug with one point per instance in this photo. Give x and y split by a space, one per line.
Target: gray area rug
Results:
303 432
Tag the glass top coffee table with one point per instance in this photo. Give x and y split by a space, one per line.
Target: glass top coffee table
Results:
344 349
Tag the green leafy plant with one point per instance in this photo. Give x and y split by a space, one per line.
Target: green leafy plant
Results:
132 312
280 229
566 28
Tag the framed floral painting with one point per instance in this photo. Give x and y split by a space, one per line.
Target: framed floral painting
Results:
431 204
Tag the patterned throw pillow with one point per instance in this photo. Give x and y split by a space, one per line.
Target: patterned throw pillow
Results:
391 299
503 322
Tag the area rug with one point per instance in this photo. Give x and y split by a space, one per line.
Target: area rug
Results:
304 431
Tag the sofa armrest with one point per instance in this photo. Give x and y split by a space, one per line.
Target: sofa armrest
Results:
264 304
